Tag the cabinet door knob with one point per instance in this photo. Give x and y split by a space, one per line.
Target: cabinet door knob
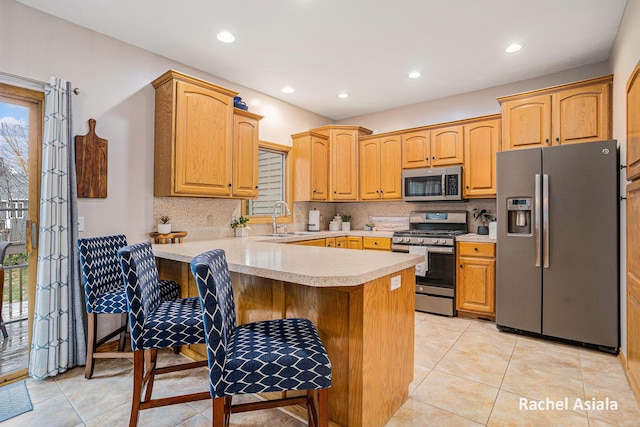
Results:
546 140
467 187
460 265
475 249
557 139
229 184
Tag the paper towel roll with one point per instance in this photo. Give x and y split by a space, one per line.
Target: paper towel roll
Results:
493 229
314 220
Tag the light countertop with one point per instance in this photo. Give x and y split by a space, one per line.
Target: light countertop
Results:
272 258
475 238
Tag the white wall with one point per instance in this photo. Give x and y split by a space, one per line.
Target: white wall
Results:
114 81
466 105
624 57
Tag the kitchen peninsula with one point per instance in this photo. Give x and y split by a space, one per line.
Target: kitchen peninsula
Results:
362 303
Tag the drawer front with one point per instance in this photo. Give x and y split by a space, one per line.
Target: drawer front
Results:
376 243
477 249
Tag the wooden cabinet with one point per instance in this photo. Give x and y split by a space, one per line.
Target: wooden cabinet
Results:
354 242
380 166
481 143
335 179
441 146
475 289
416 149
341 242
330 242
310 166
633 284
343 178
633 125
314 242
567 114
245 154
203 146
376 243
447 147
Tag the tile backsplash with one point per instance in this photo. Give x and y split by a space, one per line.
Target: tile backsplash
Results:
205 218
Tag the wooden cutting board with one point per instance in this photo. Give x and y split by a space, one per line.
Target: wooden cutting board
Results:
91 164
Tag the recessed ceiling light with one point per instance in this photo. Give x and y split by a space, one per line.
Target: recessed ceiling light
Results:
513 47
226 37
342 95
414 74
288 89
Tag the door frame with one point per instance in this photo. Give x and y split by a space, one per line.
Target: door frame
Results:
34 100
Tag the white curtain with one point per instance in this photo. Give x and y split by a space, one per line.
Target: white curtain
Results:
58 333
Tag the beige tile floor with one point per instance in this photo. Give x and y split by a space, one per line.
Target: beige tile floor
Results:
466 373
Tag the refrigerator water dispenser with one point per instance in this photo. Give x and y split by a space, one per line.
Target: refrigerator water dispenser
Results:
519 215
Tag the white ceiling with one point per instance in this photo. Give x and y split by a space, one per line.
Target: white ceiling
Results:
363 47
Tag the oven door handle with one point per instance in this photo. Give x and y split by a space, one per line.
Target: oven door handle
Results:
441 249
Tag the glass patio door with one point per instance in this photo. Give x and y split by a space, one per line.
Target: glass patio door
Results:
21 130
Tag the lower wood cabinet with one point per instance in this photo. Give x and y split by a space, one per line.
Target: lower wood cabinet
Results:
330 242
354 242
476 279
314 242
376 243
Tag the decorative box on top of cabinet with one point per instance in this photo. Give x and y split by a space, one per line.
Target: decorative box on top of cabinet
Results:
567 114
194 140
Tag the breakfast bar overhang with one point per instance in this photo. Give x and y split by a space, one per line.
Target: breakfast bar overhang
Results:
362 303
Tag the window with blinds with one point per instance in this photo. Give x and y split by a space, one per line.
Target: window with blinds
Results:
271 182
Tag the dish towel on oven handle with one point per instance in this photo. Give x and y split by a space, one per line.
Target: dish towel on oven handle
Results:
423 267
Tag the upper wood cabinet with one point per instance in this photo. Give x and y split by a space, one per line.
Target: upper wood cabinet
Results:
380 168
481 143
567 114
416 149
343 163
194 139
633 124
436 147
310 166
341 171
245 154
447 146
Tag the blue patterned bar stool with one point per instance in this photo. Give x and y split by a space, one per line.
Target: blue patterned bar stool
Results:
260 357
105 293
154 325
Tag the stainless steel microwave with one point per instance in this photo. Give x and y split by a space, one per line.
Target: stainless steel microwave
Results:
430 184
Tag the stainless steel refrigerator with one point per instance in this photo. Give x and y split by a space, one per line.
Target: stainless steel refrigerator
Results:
557 242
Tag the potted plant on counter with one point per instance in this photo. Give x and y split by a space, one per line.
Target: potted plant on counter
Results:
164 227
483 217
240 226
346 222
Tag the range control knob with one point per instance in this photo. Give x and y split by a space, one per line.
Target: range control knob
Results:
442 241
420 240
434 240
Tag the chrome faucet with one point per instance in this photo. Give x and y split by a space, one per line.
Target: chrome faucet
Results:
275 216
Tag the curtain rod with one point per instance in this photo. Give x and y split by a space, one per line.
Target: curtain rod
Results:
38 82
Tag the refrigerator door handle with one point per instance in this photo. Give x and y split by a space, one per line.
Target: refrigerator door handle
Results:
536 219
545 217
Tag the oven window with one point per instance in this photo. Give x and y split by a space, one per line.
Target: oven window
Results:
442 270
418 186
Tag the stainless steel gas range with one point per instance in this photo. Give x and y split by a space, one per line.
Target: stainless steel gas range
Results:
433 234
